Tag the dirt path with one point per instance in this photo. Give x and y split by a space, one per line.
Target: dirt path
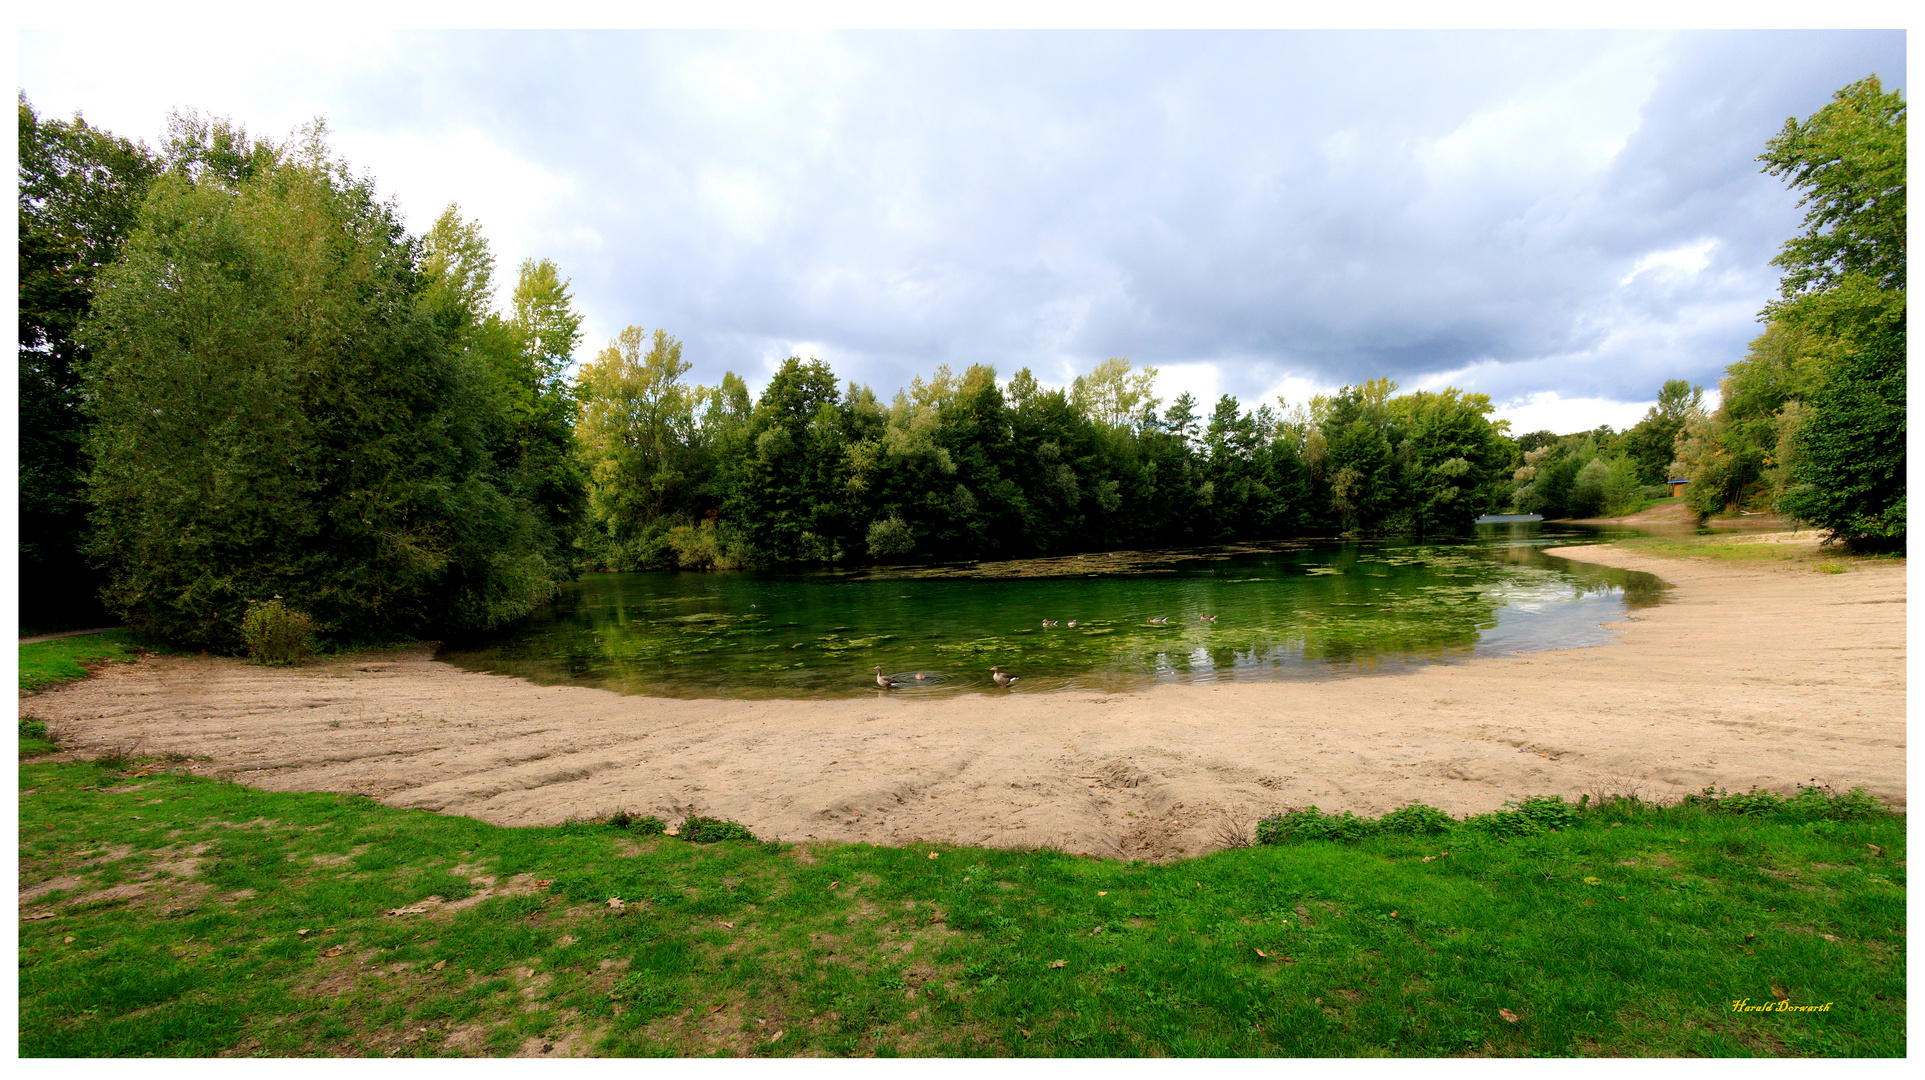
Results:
1749 675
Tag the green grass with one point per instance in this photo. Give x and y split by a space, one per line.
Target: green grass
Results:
1727 547
45 664
178 905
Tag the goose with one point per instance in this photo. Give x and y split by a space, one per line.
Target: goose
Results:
1003 678
1207 618
921 675
1072 622
884 681
1160 619
1049 622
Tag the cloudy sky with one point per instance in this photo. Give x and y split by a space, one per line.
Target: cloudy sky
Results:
1560 220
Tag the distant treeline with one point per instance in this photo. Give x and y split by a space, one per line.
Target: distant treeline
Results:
241 379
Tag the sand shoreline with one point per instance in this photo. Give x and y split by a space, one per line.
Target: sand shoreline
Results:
1766 675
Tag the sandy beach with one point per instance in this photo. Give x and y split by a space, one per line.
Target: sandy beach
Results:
1769 674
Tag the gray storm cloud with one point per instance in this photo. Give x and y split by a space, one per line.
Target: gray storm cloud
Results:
1511 212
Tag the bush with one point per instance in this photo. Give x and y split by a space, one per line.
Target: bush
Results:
1310 823
277 634
1811 803
32 729
648 825
1537 814
706 830
890 536
1417 819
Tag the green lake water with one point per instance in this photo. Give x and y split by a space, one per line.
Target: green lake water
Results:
1289 611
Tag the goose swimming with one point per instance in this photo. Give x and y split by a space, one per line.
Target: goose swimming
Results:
1160 619
1050 622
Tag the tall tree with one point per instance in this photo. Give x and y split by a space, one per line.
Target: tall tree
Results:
80 193
276 413
1844 287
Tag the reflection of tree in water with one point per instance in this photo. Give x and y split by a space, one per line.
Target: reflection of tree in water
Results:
1297 611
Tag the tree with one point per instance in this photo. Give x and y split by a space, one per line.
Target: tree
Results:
1651 443
1849 473
1844 289
275 413
80 194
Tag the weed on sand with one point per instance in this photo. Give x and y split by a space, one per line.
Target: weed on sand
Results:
166 914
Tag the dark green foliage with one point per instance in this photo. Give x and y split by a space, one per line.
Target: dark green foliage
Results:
644 824
275 633
1310 823
1529 817
80 192
275 413
707 830
32 729
1849 473
1417 819
1810 803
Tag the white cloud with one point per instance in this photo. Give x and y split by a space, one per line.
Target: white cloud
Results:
1549 411
1684 261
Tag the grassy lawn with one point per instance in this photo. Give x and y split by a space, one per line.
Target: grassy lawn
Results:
1755 548
64 660
172 915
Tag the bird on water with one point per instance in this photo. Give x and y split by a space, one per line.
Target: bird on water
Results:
1160 619
1049 622
1072 622
884 681
1003 678
1207 618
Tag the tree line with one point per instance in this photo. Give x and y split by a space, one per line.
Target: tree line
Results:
243 379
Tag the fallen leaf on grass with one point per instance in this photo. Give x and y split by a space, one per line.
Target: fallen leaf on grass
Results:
730 925
1779 993
1289 960
68 940
833 884
777 1035
1592 881
1393 914
439 964
1025 1033
1058 963
336 951
615 903
38 915
302 933
1876 850
411 909
543 884
1263 954
1102 892
935 854
1508 1015
718 1008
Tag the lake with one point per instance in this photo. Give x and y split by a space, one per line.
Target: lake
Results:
1296 610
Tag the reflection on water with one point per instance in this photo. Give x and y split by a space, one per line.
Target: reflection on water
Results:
1290 611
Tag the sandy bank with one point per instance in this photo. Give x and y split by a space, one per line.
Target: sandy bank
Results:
1748 675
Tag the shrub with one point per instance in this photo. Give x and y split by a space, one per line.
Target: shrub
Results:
706 830
647 825
1417 819
1811 803
1310 823
890 536
32 729
1529 817
277 634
